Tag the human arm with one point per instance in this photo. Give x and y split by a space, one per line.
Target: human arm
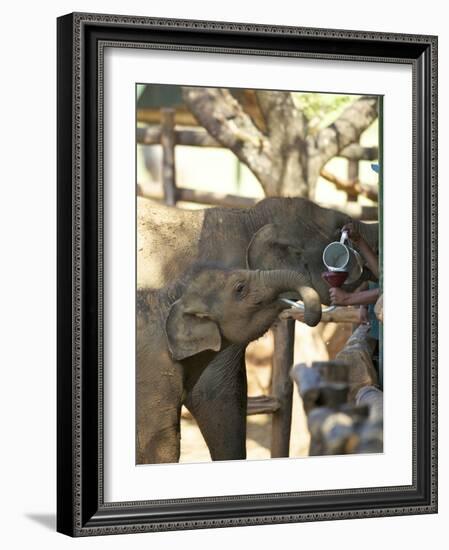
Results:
370 257
340 297
365 249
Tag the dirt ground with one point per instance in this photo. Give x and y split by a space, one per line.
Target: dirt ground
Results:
311 344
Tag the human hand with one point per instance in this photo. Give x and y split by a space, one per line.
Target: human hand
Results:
339 297
363 315
379 308
352 228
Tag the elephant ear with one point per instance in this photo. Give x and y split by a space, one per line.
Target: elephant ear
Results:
269 248
190 332
258 246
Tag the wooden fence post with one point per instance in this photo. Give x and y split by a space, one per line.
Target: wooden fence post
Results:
168 142
282 387
353 175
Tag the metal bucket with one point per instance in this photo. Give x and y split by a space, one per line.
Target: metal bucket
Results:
340 256
336 255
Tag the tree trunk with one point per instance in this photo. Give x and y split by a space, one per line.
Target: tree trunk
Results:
286 159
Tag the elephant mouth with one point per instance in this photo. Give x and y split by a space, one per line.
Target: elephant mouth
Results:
260 303
290 295
276 301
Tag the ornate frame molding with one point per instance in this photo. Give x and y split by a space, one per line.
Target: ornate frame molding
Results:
81 509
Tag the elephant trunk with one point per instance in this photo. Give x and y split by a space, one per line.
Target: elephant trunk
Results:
282 280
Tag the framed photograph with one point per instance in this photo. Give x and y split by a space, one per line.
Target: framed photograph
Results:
247 252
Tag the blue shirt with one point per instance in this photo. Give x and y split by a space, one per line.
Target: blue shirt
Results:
374 321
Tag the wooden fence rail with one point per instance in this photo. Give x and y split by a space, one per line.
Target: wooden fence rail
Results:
343 404
354 210
168 135
199 137
344 314
168 142
201 197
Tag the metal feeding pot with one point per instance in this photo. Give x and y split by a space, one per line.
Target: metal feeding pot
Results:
342 257
335 278
344 264
336 255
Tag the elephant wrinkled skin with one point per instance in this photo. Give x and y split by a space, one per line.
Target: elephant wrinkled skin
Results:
179 331
277 233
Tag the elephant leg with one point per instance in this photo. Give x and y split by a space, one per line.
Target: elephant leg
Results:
218 402
158 408
158 444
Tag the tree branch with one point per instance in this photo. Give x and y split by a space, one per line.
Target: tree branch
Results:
352 188
281 115
223 117
348 127
358 152
286 128
198 136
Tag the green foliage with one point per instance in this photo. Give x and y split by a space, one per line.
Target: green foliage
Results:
140 88
322 109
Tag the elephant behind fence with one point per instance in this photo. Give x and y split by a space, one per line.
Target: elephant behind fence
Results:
181 329
277 233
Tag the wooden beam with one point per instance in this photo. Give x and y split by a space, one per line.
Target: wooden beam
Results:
218 199
343 405
187 135
357 354
151 135
371 438
168 156
353 175
203 197
148 135
373 397
282 387
336 431
262 404
338 315
354 210
324 384
153 116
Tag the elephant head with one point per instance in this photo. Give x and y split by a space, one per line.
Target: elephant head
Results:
232 305
276 246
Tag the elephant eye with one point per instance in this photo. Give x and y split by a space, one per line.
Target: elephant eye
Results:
240 288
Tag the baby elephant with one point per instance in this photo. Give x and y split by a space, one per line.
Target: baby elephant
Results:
182 328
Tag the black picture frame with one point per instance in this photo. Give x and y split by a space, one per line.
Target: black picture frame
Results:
81 509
